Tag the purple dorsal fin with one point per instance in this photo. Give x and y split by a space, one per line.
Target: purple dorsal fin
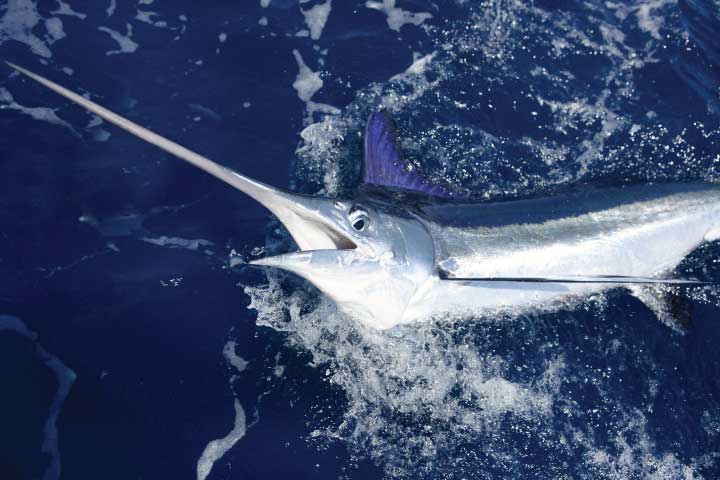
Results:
383 165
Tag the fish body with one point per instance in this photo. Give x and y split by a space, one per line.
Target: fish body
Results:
641 231
388 259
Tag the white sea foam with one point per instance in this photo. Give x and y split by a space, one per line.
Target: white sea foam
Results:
43 114
418 67
101 135
125 42
111 8
647 17
307 83
321 151
95 121
633 453
148 17
215 450
18 23
65 378
452 387
278 369
235 259
177 242
54 27
316 17
233 358
397 17
579 111
65 9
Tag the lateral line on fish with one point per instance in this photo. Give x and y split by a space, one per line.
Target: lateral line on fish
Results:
615 279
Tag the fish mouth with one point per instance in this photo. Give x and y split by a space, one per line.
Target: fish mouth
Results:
312 233
315 223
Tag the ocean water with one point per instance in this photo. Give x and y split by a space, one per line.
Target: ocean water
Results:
135 342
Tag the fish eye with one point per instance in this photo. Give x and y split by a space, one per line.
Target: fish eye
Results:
359 219
359 224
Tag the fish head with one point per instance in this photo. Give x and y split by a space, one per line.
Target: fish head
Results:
369 257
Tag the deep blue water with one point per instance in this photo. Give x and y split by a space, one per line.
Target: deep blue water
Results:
126 263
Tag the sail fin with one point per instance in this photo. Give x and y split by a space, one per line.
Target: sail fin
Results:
383 164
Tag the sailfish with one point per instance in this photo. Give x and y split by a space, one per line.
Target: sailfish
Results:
403 249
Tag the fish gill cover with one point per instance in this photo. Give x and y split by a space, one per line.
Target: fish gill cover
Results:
500 98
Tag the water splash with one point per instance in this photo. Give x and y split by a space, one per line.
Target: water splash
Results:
572 394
